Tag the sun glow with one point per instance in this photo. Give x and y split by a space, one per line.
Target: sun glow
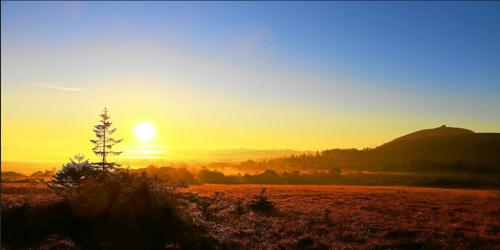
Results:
145 131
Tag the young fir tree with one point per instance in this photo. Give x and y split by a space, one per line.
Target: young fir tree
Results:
103 144
68 180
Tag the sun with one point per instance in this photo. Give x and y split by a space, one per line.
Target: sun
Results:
145 131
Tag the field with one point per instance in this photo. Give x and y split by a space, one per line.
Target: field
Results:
350 217
334 217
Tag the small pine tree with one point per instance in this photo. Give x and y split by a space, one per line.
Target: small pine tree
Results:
104 143
72 174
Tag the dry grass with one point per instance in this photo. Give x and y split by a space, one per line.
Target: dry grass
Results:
335 217
18 194
349 217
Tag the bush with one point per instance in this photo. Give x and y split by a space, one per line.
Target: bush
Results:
239 207
260 204
113 211
69 179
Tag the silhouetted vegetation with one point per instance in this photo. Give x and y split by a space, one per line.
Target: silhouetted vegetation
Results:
439 151
103 144
119 210
181 177
260 204
69 179
270 177
177 176
101 207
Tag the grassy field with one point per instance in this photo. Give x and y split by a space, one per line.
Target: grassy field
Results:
352 217
332 217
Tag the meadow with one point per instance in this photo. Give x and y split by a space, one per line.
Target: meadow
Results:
358 217
324 216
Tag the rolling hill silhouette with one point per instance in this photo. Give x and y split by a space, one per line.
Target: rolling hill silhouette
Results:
441 157
442 131
443 145
438 150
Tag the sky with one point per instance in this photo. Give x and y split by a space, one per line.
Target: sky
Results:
257 75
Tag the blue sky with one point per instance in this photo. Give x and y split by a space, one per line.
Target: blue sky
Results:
386 67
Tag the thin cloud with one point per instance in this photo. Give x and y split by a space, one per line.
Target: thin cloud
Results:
51 86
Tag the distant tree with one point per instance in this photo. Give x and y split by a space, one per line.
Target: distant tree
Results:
72 174
103 143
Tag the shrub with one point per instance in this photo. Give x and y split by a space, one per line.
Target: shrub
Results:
239 207
211 206
69 179
113 211
260 204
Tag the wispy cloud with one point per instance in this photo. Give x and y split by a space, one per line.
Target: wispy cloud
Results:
52 86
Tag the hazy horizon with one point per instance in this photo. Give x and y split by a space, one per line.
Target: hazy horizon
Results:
190 158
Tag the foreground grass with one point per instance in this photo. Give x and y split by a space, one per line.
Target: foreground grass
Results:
326 217
349 217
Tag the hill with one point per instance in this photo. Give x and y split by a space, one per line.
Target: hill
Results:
442 131
438 150
424 150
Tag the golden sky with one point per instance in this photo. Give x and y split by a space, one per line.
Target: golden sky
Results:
256 78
